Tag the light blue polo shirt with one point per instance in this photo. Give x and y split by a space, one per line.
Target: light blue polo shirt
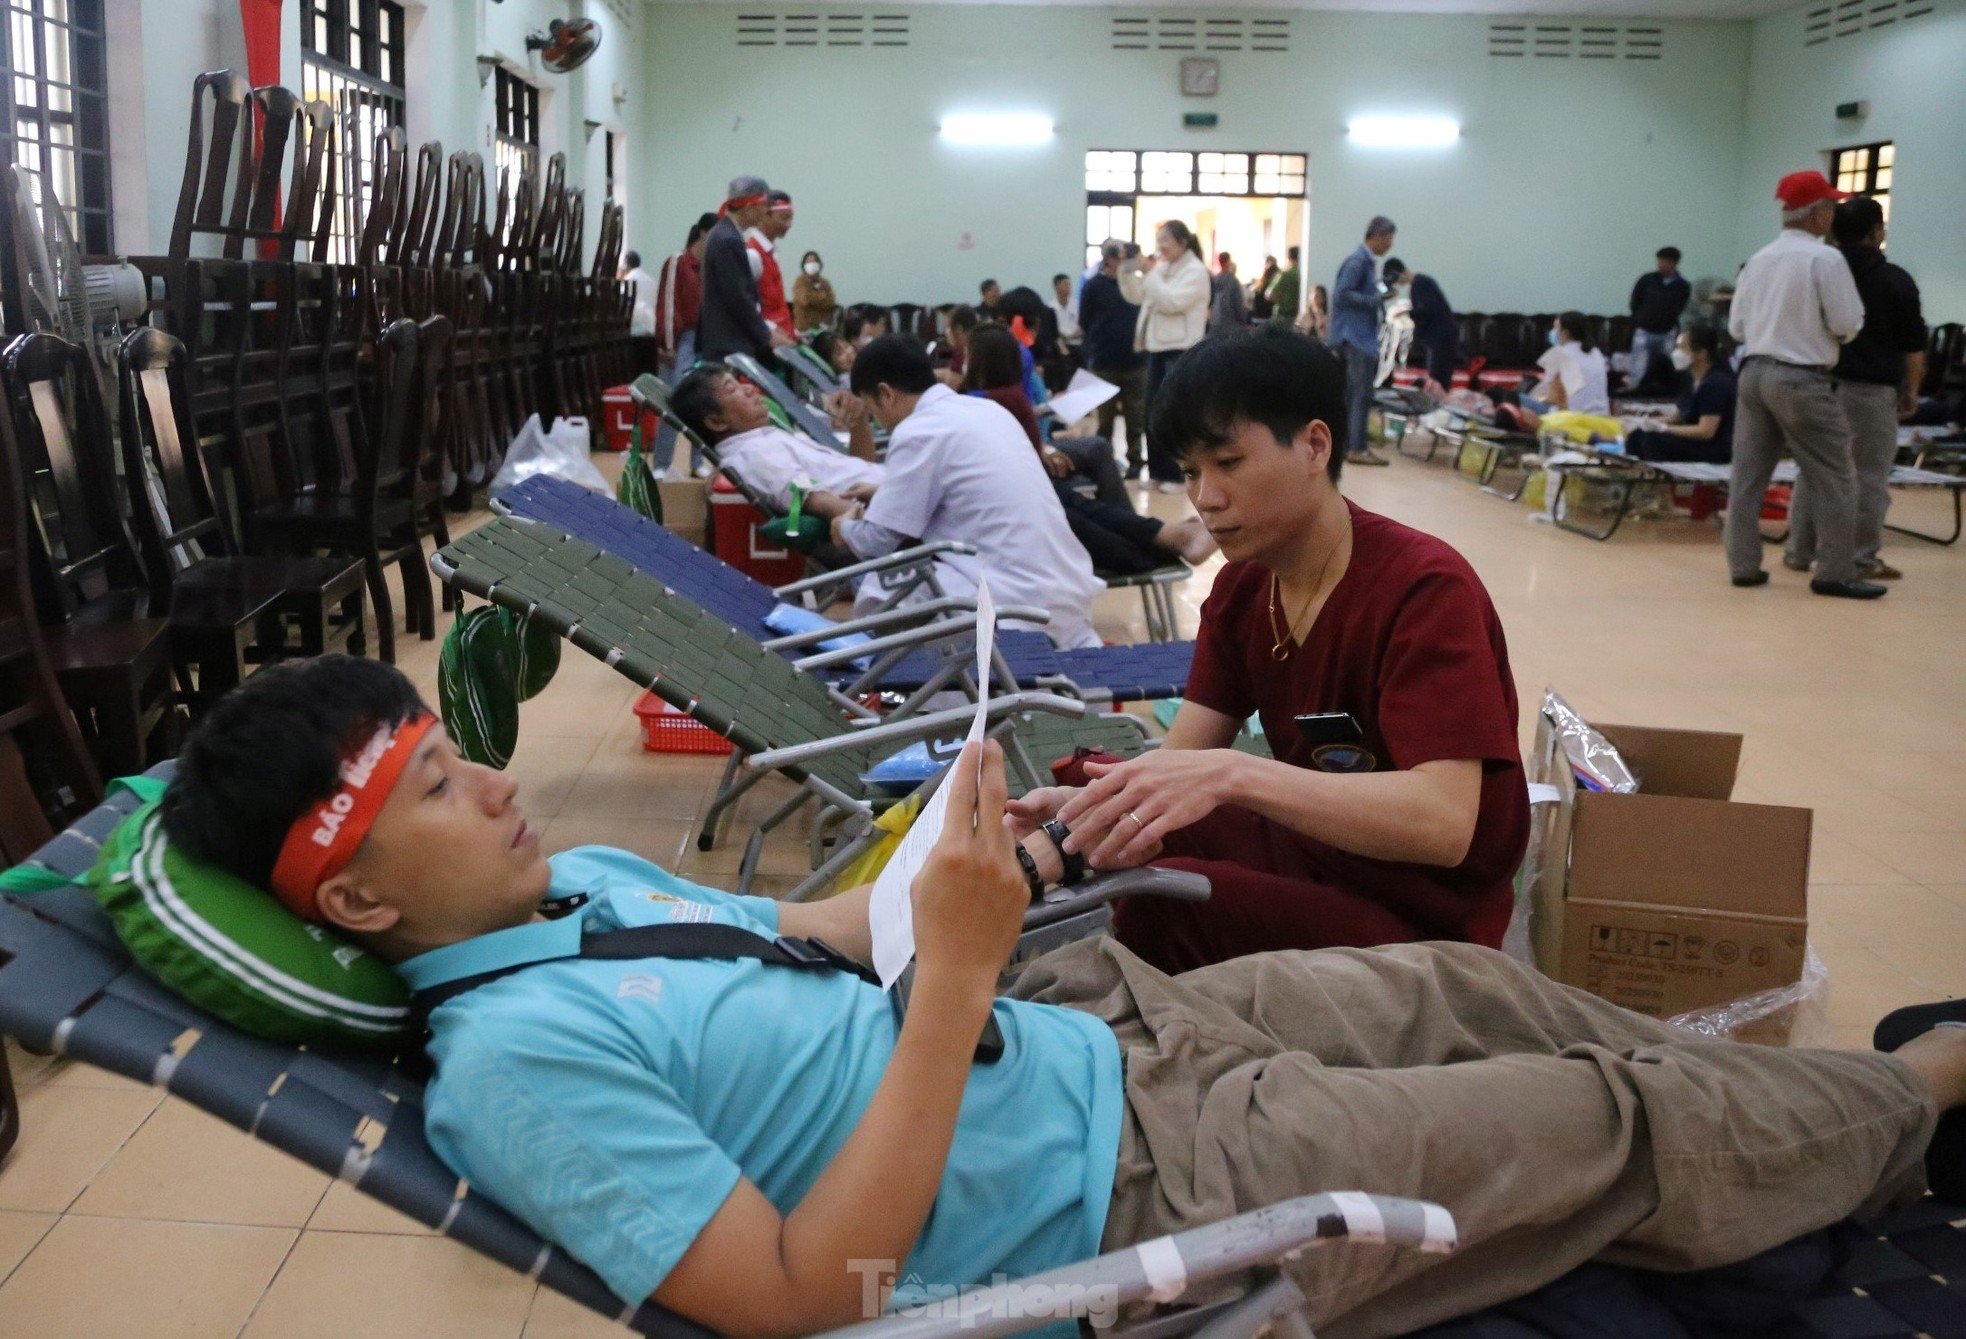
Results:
614 1105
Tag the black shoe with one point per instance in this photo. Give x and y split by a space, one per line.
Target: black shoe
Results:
1756 579
1847 590
1945 1156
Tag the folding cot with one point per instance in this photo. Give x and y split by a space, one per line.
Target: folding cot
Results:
1156 586
779 719
1622 476
68 986
1469 434
1102 673
810 368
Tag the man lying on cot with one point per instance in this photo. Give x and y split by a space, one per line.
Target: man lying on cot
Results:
730 414
1394 807
948 476
763 1147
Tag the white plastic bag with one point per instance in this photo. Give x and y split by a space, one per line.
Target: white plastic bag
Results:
1798 1014
560 453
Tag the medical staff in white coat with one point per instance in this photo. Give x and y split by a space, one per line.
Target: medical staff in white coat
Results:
959 467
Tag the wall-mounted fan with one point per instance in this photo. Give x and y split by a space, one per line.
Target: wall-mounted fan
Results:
566 44
84 304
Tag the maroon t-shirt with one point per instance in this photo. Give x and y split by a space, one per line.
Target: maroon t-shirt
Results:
1410 645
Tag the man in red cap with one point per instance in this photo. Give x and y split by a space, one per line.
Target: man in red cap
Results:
1795 307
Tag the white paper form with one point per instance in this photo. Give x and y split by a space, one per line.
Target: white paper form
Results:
1080 397
891 908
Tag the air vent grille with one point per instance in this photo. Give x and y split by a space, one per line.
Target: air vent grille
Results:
1200 33
1854 18
1529 40
812 29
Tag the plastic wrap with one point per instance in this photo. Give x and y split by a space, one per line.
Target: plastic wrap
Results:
560 453
1797 1014
1593 758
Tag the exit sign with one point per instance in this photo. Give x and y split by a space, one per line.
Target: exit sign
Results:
1199 120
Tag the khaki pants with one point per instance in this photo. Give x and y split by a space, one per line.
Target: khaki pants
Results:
1873 414
1555 1127
1782 407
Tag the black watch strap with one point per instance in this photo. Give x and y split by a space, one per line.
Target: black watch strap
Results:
1073 861
1032 878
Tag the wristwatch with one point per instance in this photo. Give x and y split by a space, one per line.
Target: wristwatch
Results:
1029 865
1073 861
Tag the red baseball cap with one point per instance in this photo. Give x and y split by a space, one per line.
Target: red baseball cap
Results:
1799 190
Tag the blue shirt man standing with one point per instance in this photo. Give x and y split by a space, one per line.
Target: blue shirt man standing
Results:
1355 333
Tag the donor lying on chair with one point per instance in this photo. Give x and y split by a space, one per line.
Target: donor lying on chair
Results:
747 1128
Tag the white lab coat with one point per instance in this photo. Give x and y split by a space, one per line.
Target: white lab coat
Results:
960 468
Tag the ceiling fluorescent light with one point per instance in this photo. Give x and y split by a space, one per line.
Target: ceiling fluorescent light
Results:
1403 132
997 129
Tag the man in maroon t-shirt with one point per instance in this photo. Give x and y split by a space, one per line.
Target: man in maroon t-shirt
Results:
1395 807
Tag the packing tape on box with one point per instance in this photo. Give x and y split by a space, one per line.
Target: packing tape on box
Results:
1166 1271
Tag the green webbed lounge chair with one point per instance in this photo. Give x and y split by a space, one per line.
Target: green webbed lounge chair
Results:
780 719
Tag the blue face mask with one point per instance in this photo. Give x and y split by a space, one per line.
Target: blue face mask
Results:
1552 336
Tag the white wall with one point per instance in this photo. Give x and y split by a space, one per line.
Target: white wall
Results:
1569 176
1913 74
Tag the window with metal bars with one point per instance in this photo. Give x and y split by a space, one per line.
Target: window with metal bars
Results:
54 95
1867 169
515 142
352 59
1116 179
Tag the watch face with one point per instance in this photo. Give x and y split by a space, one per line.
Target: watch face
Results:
1200 76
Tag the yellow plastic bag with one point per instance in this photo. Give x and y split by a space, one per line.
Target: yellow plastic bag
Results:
893 826
1580 428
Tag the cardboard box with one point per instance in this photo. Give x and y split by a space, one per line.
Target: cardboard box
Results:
686 508
1675 898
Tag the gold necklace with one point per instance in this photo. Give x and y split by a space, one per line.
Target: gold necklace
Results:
1284 641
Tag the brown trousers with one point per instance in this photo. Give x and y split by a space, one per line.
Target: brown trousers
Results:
1555 1127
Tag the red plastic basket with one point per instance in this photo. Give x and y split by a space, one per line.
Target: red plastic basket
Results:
667 730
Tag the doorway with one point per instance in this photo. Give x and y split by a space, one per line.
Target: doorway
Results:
1251 205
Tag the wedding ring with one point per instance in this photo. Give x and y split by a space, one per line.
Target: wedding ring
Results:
1136 819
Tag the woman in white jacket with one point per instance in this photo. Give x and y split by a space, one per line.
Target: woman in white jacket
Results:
1171 288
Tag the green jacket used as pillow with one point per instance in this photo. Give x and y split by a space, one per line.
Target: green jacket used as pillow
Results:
234 951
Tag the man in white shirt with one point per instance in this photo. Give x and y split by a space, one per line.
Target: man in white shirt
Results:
1064 304
641 318
730 414
960 468
1795 307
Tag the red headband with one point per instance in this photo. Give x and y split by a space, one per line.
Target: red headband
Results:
782 207
740 202
324 839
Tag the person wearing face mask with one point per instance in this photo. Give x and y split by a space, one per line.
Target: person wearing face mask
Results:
1171 288
813 303
1703 430
1575 375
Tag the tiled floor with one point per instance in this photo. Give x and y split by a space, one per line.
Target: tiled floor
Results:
122 1213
